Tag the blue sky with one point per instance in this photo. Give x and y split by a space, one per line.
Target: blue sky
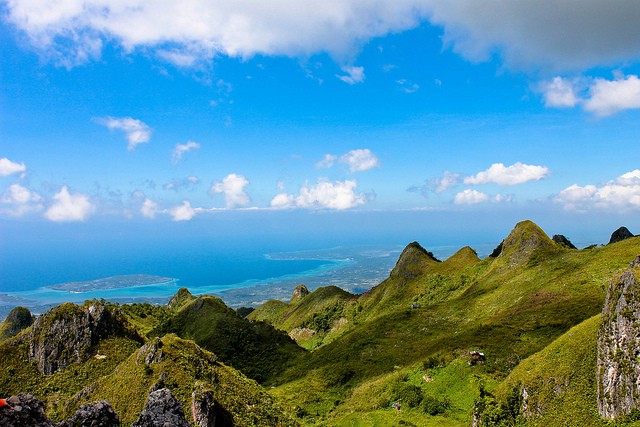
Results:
452 113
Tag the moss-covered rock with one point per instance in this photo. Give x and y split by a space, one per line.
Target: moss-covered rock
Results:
18 319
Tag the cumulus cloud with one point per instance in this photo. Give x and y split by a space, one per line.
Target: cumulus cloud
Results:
518 173
233 187
149 208
183 212
69 207
590 34
180 149
360 160
470 197
73 30
353 75
7 167
337 195
607 97
20 200
135 131
622 193
559 93
474 197
598 96
327 161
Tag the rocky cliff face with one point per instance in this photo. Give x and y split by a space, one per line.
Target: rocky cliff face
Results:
98 414
67 333
619 346
24 410
162 409
559 238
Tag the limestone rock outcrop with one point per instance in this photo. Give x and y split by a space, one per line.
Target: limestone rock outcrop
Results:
559 238
98 414
67 333
18 319
24 410
619 346
620 234
162 409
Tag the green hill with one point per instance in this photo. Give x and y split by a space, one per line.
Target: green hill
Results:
255 348
532 309
313 319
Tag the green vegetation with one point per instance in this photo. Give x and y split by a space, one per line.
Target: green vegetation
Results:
532 308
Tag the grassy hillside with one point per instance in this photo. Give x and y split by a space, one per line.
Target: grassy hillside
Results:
312 320
255 348
183 368
509 307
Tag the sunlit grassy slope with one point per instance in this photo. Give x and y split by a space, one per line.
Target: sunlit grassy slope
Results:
509 307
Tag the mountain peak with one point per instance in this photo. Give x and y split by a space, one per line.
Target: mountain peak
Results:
525 239
413 259
620 234
299 292
180 299
463 257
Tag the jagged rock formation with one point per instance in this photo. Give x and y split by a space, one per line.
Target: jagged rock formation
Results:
98 414
620 234
67 333
299 292
560 239
206 411
497 250
618 344
24 410
412 260
162 409
151 352
18 319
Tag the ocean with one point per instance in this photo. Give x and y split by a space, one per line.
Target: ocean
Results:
242 271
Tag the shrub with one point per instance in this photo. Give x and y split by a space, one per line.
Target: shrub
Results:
433 406
409 394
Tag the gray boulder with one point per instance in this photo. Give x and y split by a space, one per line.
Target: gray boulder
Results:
24 410
98 414
162 410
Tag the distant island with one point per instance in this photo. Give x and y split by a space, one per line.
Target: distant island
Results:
113 282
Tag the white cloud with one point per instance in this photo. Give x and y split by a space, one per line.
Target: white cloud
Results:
518 173
608 97
353 75
183 212
233 188
622 193
327 161
69 207
187 182
149 208
180 149
136 131
7 167
559 34
598 96
360 160
323 195
283 201
470 197
559 93
20 200
448 180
